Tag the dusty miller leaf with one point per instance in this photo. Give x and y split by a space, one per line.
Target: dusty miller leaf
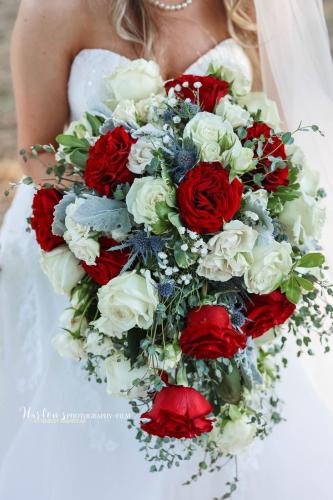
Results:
103 214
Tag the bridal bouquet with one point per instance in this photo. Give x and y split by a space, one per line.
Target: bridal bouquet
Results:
183 224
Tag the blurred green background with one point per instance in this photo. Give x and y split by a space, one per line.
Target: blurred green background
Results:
8 162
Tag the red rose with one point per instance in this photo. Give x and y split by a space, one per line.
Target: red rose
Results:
211 91
107 161
43 205
206 199
275 148
178 412
263 312
209 334
109 264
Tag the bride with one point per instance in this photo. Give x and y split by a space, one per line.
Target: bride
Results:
61 53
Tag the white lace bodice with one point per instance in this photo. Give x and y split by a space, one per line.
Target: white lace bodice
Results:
90 66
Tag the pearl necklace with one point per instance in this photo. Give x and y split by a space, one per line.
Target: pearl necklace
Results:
171 7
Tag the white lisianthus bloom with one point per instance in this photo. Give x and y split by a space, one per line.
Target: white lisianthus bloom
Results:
78 237
98 344
141 154
309 178
68 347
258 197
143 196
86 249
125 111
271 335
134 80
229 252
127 301
271 264
235 238
236 436
239 158
75 324
81 128
302 219
166 358
146 108
234 114
269 111
217 268
234 75
211 134
74 229
120 377
62 268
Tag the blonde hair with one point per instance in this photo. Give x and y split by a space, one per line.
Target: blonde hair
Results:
134 22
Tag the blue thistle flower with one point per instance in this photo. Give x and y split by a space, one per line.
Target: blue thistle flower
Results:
181 158
166 288
142 245
238 319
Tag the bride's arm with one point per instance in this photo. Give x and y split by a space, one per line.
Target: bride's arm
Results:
44 41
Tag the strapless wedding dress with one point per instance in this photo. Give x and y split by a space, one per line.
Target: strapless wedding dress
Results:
46 458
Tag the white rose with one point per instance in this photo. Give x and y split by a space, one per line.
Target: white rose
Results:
236 436
302 219
308 178
229 252
143 196
78 237
271 264
166 358
127 301
68 347
233 74
97 344
211 134
141 154
120 377
234 114
125 111
269 111
62 268
239 158
134 80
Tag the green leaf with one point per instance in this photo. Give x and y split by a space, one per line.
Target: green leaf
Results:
95 122
162 210
79 158
314 259
72 142
230 387
292 289
161 226
184 259
304 283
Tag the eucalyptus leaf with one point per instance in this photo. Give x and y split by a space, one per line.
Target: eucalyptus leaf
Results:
103 214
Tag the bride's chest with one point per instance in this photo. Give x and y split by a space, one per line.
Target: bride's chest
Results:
86 87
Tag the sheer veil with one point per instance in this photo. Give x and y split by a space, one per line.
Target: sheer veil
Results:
297 72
